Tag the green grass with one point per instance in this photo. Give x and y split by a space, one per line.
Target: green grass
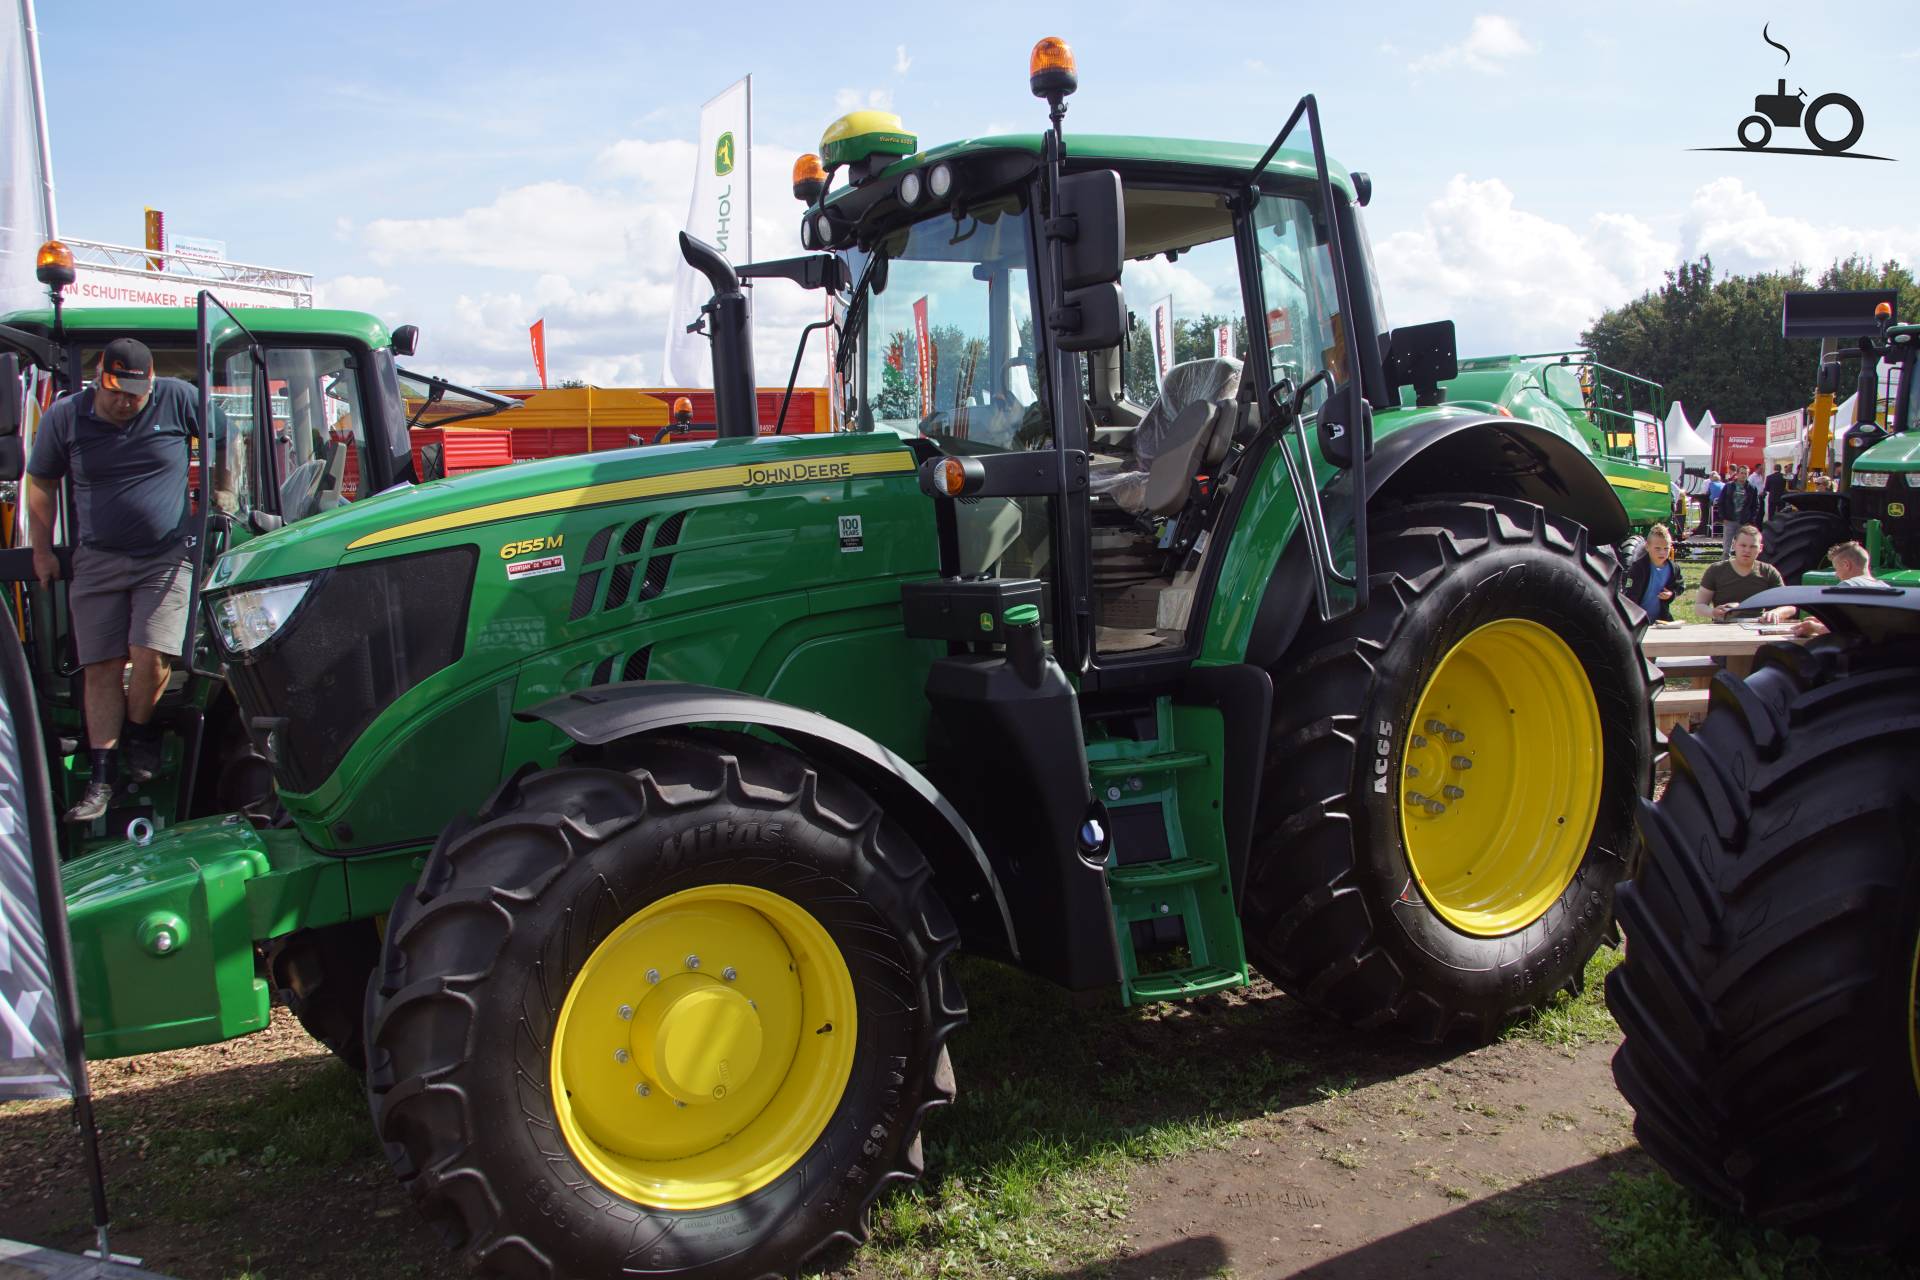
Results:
1653 1229
1571 1021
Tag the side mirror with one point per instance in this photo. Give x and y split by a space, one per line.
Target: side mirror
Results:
1422 356
1336 433
1094 215
12 395
1093 318
406 340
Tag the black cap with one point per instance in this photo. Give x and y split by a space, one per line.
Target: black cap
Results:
126 365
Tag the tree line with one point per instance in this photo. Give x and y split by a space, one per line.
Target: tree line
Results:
1716 344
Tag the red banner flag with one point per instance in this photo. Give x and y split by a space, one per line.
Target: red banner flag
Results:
538 332
923 345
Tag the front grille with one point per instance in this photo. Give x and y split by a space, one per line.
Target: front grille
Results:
363 636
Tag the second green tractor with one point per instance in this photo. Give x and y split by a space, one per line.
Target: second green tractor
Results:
647 798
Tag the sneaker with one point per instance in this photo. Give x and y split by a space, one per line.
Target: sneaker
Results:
140 758
93 804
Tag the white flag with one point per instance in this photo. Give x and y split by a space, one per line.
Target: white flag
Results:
26 170
721 213
1162 339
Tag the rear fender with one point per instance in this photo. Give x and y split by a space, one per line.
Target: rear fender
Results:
1459 454
1881 614
607 713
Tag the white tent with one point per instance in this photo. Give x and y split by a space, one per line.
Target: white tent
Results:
1684 444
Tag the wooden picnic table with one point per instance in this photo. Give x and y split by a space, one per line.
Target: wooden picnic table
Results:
1736 642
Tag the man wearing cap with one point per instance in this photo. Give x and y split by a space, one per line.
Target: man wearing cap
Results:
124 443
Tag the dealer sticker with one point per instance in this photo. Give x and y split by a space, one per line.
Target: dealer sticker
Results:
534 568
850 536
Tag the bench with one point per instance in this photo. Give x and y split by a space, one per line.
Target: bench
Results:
1690 667
1673 708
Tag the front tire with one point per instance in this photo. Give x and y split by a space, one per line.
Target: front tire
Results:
1795 542
684 1015
1391 885
1768 996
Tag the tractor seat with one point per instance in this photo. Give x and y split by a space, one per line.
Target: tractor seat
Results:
1189 427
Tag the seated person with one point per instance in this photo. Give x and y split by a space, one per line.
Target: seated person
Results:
1852 566
1738 578
1653 577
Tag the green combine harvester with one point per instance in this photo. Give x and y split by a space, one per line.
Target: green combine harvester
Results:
632 808
1602 408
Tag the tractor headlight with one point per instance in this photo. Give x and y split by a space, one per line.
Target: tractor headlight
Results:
940 181
245 620
1871 479
910 189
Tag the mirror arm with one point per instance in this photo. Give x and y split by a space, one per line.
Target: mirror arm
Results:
780 426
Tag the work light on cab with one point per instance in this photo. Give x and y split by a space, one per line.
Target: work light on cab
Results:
1050 72
53 265
911 188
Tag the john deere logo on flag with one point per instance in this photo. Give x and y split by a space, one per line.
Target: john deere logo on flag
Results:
723 156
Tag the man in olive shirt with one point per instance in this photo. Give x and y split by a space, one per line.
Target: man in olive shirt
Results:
1738 578
124 442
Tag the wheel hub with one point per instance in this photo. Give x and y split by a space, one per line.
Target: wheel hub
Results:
696 1039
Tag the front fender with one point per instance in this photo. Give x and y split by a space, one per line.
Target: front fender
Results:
602 714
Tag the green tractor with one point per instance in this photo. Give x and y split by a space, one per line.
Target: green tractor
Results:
647 797
1877 502
1602 408
1770 994
334 427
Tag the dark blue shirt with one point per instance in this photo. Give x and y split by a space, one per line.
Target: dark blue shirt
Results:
1659 578
130 482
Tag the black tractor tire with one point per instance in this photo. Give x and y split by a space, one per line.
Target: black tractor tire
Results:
1334 914
466 1008
321 974
1795 542
1767 995
1630 548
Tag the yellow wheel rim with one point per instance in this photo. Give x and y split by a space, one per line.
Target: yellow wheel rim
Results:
1501 779
703 1047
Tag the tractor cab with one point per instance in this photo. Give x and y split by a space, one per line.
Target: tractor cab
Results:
301 411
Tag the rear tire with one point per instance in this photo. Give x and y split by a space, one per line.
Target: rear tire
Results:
1796 542
473 1022
1335 909
1768 993
1631 548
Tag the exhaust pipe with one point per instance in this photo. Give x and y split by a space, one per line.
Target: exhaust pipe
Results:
735 398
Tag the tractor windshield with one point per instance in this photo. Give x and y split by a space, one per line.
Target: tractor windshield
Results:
942 340
310 443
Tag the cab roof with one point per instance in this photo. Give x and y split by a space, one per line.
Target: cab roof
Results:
352 326
1100 150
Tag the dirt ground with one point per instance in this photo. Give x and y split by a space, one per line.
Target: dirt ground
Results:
253 1159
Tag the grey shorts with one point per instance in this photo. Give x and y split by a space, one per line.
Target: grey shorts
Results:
118 600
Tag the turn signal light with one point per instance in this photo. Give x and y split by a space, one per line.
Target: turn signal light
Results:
53 265
1050 71
809 179
952 477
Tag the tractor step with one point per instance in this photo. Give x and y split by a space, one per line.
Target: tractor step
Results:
1178 984
1173 907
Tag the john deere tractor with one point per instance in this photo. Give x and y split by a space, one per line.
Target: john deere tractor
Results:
648 796
1770 993
1877 501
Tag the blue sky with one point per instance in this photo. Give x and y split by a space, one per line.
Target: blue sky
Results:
469 167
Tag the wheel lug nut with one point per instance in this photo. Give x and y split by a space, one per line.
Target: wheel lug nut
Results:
653 975
1461 762
1435 807
626 1012
1452 793
1412 772
1415 799
729 973
643 1089
1418 741
1454 735
1436 726
620 1055
693 962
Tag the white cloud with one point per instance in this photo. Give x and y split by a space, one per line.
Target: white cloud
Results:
900 60
1727 221
353 293
845 100
654 164
1491 42
545 226
1256 66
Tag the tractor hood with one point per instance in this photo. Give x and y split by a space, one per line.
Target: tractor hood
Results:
391 522
1896 453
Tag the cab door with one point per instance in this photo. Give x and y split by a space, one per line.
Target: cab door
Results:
1305 349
